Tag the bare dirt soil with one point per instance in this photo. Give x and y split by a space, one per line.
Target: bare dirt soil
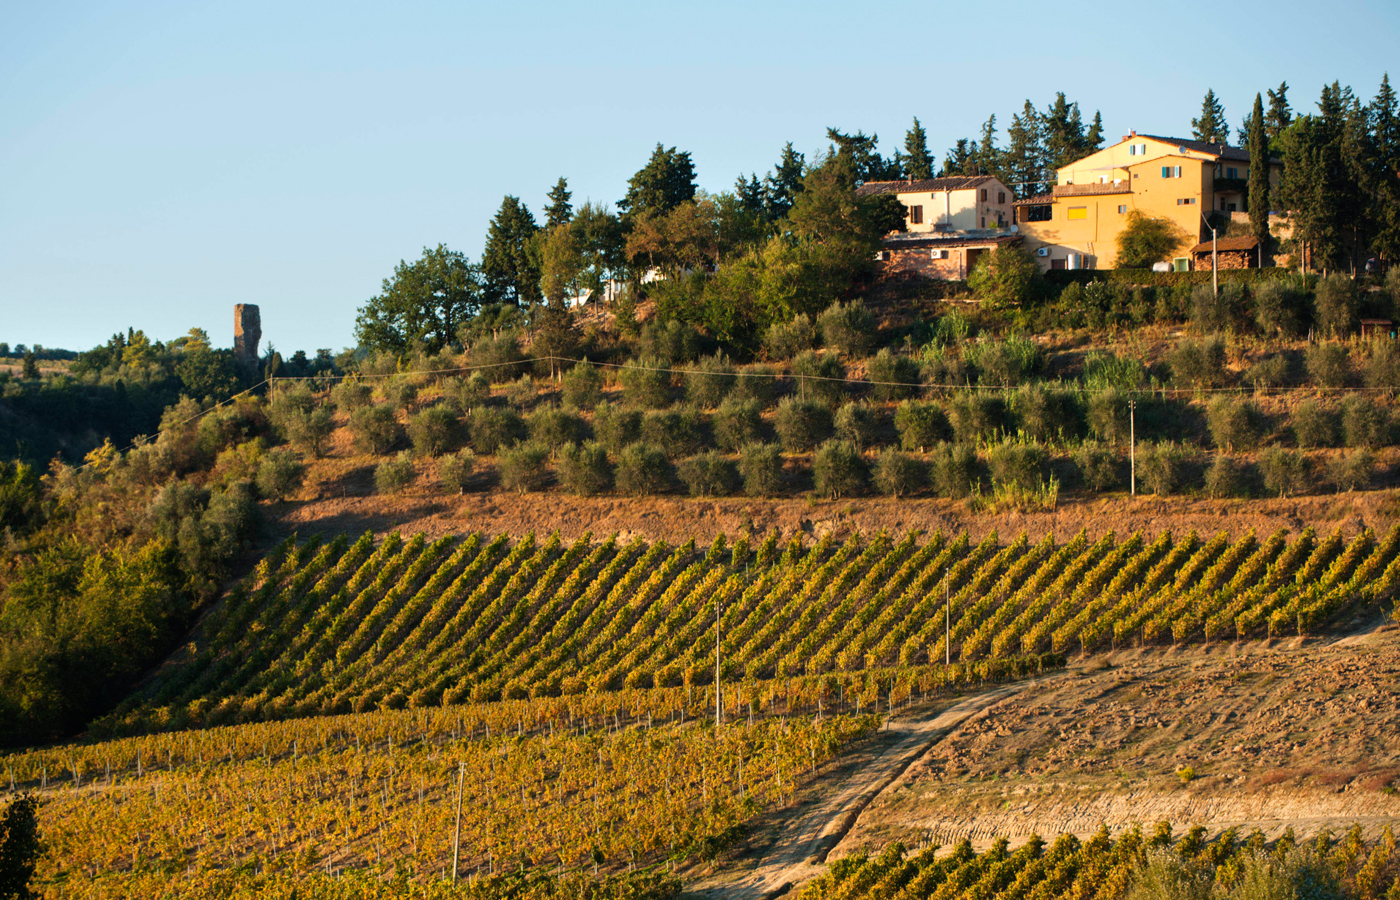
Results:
789 847
338 497
1276 735
679 519
1261 735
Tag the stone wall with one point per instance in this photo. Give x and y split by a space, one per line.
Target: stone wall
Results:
918 261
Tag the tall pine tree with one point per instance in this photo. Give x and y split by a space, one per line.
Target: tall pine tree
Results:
1211 127
1063 130
665 182
1024 157
1320 188
559 211
1279 116
784 183
511 275
1094 139
866 161
988 157
1385 190
1258 145
918 163
960 159
749 192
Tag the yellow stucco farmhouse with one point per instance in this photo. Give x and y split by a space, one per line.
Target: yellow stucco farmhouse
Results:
1076 225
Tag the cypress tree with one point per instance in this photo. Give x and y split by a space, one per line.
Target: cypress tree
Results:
1258 174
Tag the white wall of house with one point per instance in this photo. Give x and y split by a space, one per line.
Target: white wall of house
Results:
958 210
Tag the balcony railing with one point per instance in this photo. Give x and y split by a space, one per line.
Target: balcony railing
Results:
1086 190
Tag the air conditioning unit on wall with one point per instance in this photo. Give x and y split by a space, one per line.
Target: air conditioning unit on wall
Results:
1042 251
938 254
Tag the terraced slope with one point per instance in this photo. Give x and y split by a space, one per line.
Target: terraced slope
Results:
340 627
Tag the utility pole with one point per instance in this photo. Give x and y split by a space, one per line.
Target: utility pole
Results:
1214 259
457 832
719 710
1214 265
1132 448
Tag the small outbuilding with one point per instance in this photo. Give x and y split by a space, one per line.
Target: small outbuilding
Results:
1377 328
1231 253
940 256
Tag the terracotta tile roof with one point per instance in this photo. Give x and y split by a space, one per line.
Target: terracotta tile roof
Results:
1223 151
1235 243
1090 190
924 185
1037 200
950 239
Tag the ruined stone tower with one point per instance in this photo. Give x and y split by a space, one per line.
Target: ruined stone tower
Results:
247 331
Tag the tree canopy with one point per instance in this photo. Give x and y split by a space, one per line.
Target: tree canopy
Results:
785 182
665 182
509 273
1211 126
1004 277
918 163
1038 142
424 303
829 212
865 161
1146 239
560 210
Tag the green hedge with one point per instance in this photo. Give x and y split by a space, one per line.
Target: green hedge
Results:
1147 277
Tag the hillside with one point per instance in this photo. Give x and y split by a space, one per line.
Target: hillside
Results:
335 627
1289 741
1276 735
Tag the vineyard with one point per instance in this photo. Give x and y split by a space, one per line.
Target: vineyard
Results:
1102 867
339 627
375 796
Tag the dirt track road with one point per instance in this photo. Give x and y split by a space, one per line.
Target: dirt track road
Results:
814 829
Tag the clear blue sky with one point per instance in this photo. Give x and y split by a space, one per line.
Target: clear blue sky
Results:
160 162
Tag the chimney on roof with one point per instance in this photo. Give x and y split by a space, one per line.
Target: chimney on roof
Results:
1130 135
